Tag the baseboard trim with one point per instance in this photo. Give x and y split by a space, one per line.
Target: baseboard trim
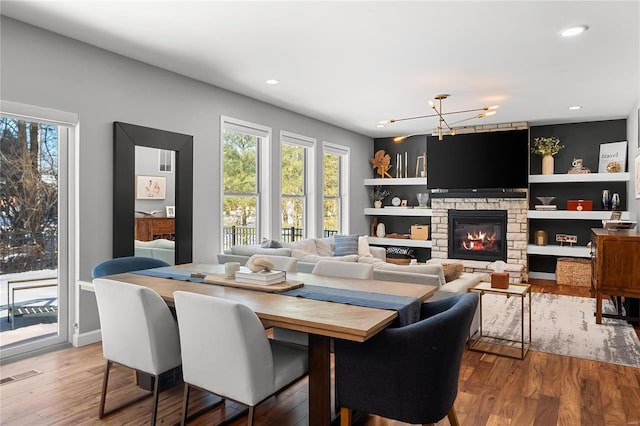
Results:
83 339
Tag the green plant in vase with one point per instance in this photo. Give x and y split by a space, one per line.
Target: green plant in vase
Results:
377 195
546 148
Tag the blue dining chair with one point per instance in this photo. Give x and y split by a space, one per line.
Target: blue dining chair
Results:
121 265
409 373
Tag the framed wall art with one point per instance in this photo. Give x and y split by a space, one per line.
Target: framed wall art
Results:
150 187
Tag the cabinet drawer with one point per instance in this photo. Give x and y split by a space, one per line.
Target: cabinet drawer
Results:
162 226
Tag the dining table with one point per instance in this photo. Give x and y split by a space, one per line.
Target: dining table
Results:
322 320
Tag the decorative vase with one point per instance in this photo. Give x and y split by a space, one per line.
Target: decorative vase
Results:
547 165
381 230
377 204
606 199
615 201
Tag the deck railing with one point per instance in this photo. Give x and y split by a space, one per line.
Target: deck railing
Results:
243 235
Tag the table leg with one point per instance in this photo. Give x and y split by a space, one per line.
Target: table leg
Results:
598 307
319 380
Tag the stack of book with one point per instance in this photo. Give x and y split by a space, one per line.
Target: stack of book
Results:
245 275
546 207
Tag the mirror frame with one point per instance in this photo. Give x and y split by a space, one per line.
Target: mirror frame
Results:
125 138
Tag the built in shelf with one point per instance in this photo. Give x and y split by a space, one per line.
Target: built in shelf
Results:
556 250
396 181
580 177
402 242
571 214
397 212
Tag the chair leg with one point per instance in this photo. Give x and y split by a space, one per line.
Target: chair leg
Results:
156 392
105 381
185 404
250 415
345 416
453 417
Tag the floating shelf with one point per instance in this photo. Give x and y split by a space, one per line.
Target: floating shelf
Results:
403 242
396 181
397 212
570 214
555 250
580 177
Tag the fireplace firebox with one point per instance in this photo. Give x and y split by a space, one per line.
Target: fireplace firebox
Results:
477 234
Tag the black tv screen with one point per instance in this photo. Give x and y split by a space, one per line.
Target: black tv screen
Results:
479 161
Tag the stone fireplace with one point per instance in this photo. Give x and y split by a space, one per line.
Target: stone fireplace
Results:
515 230
477 234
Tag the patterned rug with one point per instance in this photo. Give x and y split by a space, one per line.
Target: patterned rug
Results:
564 325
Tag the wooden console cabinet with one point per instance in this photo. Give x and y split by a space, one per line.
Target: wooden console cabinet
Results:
153 228
615 261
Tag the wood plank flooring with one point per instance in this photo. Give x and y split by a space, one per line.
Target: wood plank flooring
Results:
543 389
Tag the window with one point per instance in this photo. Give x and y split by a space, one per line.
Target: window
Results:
336 178
297 177
245 172
37 224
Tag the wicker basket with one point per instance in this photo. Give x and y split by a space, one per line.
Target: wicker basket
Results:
398 261
570 271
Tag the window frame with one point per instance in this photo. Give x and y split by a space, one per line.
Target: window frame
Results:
263 165
344 155
309 145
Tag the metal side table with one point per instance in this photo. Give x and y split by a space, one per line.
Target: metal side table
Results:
484 342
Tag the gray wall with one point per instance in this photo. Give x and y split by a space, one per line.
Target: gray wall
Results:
44 69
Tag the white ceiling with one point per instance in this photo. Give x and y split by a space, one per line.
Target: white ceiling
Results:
354 63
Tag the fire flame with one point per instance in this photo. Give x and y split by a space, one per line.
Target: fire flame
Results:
479 241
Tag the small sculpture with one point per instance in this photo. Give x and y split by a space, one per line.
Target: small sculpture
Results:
382 162
258 264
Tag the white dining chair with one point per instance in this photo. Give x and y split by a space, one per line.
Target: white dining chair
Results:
232 357
343 269
139 332
280 263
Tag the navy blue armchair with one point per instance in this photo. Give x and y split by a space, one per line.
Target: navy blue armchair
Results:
120 265
408 373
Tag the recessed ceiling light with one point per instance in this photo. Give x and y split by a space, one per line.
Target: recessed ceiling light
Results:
575 107
574 31
272 81
380 125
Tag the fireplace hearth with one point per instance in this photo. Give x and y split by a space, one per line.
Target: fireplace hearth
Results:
477 234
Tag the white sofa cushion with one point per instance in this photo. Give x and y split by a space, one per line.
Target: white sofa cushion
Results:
303 256
325 246
363 246
308 245
251 250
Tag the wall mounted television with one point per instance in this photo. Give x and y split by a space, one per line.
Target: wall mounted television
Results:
475 162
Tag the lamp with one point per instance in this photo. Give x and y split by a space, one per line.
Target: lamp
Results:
442 122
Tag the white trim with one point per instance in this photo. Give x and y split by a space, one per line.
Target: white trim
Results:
310 145
344 154
68 230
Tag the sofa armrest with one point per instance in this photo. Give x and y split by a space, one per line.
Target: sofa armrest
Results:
379 252
406 277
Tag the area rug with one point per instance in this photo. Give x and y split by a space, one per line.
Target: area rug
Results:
564 325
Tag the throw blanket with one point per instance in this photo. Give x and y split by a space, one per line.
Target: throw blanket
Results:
408 307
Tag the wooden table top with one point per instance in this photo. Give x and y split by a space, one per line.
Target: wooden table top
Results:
350 322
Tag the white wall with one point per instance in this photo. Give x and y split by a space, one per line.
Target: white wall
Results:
44 69
633 136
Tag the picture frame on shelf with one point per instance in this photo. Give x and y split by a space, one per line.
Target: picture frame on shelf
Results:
613 157
171 211
150 187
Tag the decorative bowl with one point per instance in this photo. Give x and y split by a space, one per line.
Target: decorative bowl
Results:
546 200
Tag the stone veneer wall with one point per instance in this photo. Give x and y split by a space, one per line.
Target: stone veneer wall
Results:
517 227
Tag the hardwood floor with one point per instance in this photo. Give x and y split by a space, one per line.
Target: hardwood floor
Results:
543 389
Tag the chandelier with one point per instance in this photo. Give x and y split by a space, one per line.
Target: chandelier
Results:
443 125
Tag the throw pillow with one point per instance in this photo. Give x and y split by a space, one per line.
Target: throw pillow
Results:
345 245
267 243
363 246
452 271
